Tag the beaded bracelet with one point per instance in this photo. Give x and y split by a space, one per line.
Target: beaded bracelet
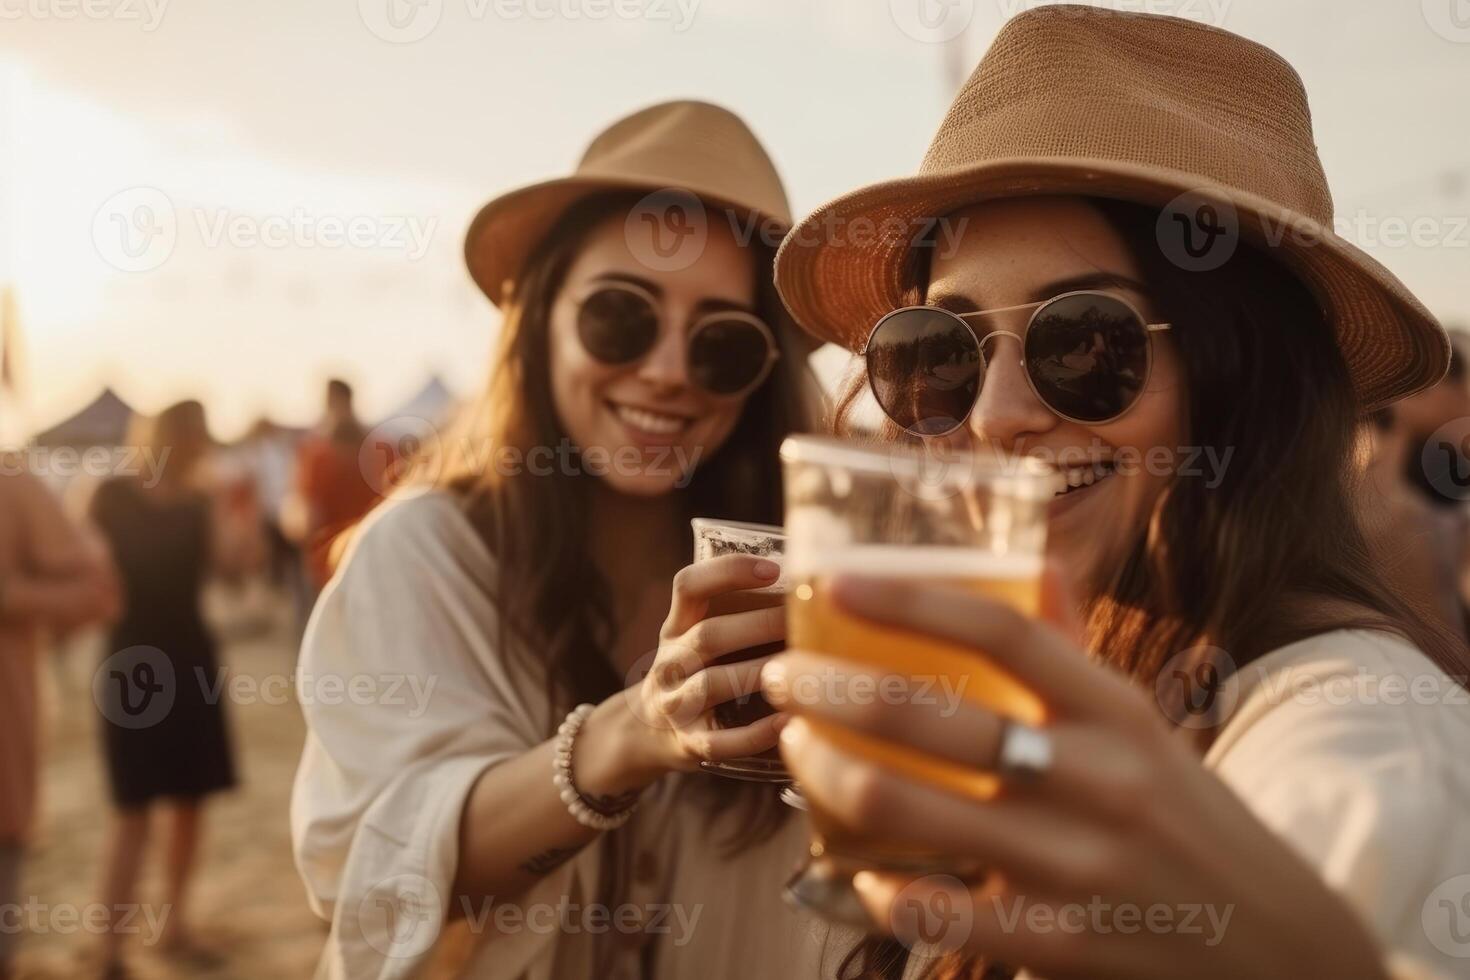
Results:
561 777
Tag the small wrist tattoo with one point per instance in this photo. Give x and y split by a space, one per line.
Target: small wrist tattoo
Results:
548 861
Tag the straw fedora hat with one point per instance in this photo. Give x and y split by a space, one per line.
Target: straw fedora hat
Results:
684 147
1074 100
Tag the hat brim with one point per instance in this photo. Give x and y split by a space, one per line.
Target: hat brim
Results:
837 288
507 229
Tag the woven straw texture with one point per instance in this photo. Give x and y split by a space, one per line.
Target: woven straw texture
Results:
686 146
1138 107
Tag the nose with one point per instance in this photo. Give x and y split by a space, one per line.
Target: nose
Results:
1007 411
666 365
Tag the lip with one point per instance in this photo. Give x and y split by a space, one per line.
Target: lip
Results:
643 438
1067 502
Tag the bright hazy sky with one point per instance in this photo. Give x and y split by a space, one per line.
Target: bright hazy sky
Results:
274 113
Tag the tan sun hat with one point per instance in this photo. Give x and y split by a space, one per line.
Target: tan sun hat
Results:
680 148
1074 100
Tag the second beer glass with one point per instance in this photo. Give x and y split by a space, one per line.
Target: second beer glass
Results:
712 539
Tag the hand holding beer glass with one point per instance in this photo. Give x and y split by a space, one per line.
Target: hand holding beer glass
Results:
700 692
712 539
968 522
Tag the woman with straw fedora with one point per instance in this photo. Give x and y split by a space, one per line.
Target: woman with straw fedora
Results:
1232 779
534 802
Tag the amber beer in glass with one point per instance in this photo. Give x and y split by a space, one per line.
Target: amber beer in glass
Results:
965 522
713 538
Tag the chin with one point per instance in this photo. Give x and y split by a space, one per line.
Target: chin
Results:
1092 534
641 486
1078 522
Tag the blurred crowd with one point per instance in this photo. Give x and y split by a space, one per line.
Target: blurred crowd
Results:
129 556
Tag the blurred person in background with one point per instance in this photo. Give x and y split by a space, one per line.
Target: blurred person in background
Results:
270 451
1414 509
54 578
535 577
166 540
334 486
272 462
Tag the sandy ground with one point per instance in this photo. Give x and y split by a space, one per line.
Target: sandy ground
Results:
248 902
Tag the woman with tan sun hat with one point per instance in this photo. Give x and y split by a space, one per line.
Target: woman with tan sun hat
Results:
539 812
1230 779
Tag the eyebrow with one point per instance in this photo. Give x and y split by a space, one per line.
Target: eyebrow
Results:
712 305
957 302
709 304
639 281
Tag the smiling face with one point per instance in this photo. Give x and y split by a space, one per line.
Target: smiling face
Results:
1025 251
648 412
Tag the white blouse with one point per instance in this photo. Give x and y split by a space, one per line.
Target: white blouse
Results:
376 808
408 701
1355 748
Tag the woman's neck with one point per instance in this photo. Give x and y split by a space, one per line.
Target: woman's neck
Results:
167 486
638 544
631 534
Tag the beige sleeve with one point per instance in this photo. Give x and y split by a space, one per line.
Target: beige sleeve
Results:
1335 751
407 703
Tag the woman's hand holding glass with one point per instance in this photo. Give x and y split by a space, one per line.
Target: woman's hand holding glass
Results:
685 684
1124 816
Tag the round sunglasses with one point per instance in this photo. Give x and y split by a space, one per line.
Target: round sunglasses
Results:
728 353
1087 355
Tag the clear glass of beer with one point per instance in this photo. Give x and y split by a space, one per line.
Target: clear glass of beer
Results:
713 538
967 521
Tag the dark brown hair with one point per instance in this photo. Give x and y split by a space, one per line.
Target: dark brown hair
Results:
1237 566
553 603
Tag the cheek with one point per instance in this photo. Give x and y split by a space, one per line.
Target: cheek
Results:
1159 419
719 416
1149 443
576 382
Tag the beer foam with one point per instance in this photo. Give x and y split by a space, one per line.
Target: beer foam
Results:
912 561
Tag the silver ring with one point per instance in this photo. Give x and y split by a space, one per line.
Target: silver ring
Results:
1025 752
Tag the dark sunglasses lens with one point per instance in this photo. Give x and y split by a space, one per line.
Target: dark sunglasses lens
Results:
925 370
617 326
1088 356
727 355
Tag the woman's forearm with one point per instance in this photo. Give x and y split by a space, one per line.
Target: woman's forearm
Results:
515 828
57 601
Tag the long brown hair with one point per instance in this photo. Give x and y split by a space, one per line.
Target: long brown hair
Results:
553 602
177 437
1234 566
556 605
